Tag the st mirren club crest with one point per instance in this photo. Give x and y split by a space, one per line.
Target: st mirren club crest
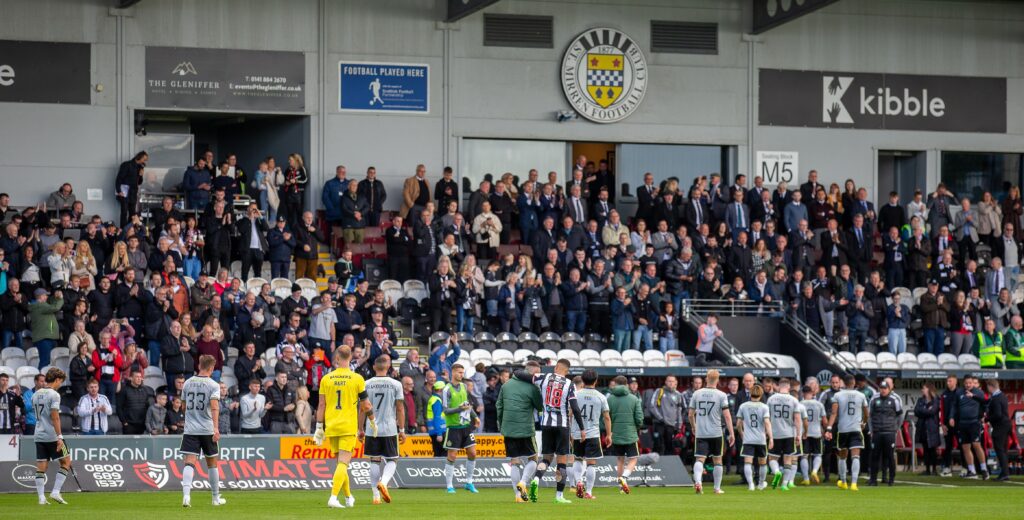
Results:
153 475
604 75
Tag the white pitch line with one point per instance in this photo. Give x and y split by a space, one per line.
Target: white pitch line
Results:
925 484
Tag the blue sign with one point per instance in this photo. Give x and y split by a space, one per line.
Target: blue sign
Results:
384 87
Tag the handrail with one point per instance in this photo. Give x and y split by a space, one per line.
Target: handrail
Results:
693 312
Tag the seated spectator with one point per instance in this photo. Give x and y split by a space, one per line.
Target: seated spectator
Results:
93 410
156 416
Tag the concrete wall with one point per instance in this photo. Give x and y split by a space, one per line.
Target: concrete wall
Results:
496 92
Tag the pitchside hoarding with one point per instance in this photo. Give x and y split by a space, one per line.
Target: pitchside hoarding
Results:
306 474
225 79
881 101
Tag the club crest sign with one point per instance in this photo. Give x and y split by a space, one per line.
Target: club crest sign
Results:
604 75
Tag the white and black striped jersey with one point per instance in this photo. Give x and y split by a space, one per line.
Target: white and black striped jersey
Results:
556 392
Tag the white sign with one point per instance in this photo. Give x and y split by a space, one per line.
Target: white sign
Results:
776 167
9 447
94 194
604 75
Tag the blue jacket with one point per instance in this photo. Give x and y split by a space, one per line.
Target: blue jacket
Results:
195 197
898 323
793 214
442 367
622 315
435 416
757 296
280 249
527 213
331 197
346 320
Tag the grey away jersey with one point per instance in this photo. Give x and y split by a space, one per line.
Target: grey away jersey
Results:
751 415
592 405
851 410
783 408
708 405
815 412
43 402
197 394
383 392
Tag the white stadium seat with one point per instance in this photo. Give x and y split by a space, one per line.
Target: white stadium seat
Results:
650 355
632 354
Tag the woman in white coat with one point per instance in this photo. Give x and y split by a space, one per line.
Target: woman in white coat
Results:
487 231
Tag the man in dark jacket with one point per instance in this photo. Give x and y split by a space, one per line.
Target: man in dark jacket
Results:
353 214
517 403
132 403
158 317
947 402
252 241
998 415
372 190
306 248
248 366
176 354
126 189
425 245
281 244
501 205
281 398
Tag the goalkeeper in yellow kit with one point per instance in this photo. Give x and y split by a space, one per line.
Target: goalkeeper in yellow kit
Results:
342 397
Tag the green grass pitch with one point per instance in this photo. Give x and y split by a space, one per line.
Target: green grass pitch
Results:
914 498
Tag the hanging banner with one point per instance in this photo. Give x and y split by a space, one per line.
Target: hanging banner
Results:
383 87
225 79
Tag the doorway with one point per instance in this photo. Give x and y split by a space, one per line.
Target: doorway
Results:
902 172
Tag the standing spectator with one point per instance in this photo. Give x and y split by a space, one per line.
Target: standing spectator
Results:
281 398
502 205
897 320
444 356
176 354
253 407
196 184
132 404
208 345
939 207
248 366
306 249
926 413
1013 347
176 416
998 416
156 416
291 363
667 413
706 335
934 311
859 313
372 190
303 411
622 319
93 410
425 249
442 296
487 228
294 188
399 247
81 366
317 366
126 185
281 243
414 368
446 189
12 406
42 315
331 196
107 361
322 325
415 194
265 181
252 241
353 214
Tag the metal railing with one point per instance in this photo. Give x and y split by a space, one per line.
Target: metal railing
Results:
695 313
815 340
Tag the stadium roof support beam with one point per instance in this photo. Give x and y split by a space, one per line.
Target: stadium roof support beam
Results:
459 9
773 13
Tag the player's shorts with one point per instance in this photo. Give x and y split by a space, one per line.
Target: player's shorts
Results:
850 440
555 440
386 447
48 451
459 438
812 446
709 447
587 449
342 443
757 451
630 451
969 432
199 445
520 447
783 447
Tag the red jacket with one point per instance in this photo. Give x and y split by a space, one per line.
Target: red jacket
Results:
99 363
316 370
209 348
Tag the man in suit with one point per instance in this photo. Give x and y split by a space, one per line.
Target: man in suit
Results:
373 191
863 207
719 196
695 211
997 279
543 240
501 205
575 205
834 247
578 181
646 197
861 247
1008 248
737 216
665 210
761 207
572 233
970 278
940 203
603 208
809 188
801 243
966 225
425 244
739 258
998 415
754 194
252 240
415 194
944 240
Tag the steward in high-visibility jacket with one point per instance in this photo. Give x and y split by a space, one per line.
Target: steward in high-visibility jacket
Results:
990 347
1013 346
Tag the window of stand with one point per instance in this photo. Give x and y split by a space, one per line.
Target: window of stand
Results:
971 174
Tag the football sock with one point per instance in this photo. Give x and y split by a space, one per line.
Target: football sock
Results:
591 477
698 471
748 472
389 471
374 478
213 477
41 483
186 479
805 468
541 469
449 473
789 474
577 471
340 480
470 468
717 472
529 470
58 481
517 475
774 464
562 475
854 469
817 464
842 469
626 472
762 473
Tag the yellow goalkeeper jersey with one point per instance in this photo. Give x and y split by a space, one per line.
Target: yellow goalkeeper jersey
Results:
342 390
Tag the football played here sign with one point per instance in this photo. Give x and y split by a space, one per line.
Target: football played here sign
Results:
776 167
